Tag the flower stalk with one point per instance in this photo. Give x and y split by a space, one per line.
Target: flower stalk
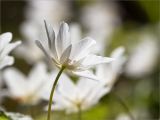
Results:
52 92
124 106
79 112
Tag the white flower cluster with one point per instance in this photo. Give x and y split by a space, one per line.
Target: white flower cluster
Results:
5 60
77 59
95 74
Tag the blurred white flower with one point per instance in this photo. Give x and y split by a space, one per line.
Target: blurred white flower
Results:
74 57
101 17
143 58
137 114
108 73
123 117
46 9
5 48
26 89
1 82
86 93
71 96
30 30
18 116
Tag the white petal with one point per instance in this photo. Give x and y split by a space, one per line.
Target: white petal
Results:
107 74
59 103
51 39
84 83
37 77
25 51
60 100
9 48
92 60
65 54
85 86
81 49
118 52
46 52
96 94
6 61
63 40
120 59
5 38
66 87
144 57
86 74
16 82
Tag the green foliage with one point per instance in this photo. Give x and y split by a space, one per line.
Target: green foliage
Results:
152 9
3 116
99 112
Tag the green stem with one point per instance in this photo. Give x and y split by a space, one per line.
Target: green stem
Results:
79 112
125 106
52 92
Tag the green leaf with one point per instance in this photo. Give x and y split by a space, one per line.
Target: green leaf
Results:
3 116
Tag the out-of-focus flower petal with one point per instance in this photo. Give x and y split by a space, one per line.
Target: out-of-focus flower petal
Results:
16 82
92 60
86 73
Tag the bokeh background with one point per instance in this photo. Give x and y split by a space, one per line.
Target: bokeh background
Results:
129 23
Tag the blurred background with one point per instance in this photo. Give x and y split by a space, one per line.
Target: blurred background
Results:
112 23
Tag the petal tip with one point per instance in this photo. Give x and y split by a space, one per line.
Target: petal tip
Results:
7 35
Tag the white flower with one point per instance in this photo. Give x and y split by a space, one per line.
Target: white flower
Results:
102 17
30 29
74 57
70 96
108 73
18 116
40 9
137 114
143 58
27 89
123 117
5 48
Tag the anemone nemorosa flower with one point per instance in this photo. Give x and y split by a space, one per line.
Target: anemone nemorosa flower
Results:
26 89
74 57
70 96
5 48
109 73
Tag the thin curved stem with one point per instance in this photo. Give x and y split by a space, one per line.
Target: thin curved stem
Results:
52 92
79 113
125 106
